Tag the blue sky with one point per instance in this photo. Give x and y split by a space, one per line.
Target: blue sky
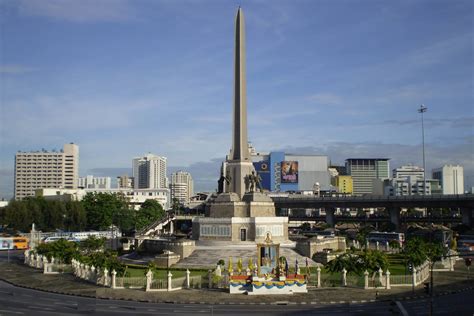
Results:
343 78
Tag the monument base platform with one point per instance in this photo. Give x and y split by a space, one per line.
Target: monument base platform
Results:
240 229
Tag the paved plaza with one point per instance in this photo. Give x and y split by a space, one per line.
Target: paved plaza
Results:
208 253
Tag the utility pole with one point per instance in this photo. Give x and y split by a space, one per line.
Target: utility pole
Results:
422 110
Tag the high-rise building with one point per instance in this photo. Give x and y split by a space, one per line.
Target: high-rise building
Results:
344 184
451 178
149 172
125 182
181 187
414 172
366 173
91 182
46 169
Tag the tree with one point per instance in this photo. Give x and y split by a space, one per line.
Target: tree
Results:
414 251
149 212
63 250
91 244
305 226
361 236
418 251
372 260
105 209
76 217
394 244
348 261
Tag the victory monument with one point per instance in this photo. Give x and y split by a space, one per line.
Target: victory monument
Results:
240 212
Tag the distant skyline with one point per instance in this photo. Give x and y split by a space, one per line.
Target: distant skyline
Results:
339 78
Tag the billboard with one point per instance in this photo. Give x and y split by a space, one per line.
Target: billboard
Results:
289 172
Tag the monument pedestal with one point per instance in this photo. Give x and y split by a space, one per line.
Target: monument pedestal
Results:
233 219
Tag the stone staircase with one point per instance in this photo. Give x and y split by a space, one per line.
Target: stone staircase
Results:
207 255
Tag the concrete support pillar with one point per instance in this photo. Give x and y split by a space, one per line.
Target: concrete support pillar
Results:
395 217
171 227
413 277
114 274
169 281
93 275
467 217
387 280
149 279
187 279
319 276
344 277
380 275
366 279
26 254
106 276
330 217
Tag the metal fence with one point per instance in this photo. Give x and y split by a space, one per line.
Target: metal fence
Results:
159 284
196 282
59 268
404 279
178 282
130 282
355 281
330 280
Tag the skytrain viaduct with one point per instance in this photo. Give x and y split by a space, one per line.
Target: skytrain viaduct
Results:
394 204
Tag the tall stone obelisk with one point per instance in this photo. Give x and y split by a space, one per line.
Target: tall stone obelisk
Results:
239 164
236 215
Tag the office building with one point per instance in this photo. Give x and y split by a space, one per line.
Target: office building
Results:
91 182
149 172
282 172
451 178
135 197
367 174
125 182
344 184
410 180
46 169
181 187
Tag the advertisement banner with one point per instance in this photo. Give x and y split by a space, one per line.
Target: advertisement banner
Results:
289 172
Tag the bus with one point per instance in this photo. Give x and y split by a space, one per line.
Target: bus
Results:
14 243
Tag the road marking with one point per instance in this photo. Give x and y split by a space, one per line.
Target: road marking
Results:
401 308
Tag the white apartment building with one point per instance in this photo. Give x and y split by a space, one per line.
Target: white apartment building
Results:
409 171
135 197
182 187
149 172
451 178
91 182
46 169
409 180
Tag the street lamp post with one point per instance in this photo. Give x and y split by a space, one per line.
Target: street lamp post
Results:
422 110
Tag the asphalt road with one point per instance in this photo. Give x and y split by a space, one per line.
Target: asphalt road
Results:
20 301
458 304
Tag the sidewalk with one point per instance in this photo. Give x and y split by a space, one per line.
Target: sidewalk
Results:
18 274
